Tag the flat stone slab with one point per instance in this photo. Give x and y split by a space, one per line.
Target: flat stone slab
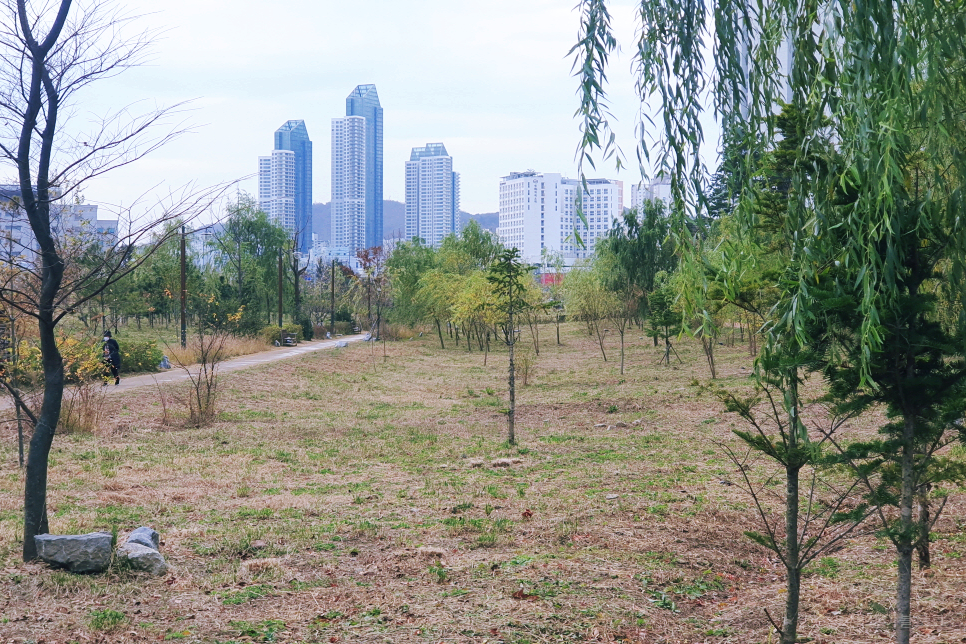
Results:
75 552
145 536
141 557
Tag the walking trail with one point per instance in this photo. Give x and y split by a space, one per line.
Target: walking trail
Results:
242 362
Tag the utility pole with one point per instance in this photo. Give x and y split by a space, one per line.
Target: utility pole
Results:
184 292
332 304
280 295
378 311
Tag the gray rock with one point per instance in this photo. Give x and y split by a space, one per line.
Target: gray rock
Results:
142 558
146 537
341 344
75 552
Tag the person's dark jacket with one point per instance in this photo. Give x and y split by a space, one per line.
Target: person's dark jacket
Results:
113 352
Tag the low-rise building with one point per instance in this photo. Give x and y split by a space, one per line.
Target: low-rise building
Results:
72 223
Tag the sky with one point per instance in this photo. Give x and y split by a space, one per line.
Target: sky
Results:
489 79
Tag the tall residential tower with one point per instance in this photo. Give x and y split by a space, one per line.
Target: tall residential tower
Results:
432 195
285 182
357 217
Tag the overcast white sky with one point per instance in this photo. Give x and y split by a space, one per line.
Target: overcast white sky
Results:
490 79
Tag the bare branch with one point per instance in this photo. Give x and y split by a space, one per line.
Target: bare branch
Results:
18 399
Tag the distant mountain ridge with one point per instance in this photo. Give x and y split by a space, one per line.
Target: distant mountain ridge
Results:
394 219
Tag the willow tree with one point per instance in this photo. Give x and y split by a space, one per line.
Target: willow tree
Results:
886 81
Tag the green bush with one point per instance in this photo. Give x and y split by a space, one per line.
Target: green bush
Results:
140 356
307 328
271 334
345 328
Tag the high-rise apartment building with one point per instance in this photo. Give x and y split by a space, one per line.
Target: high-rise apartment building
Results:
538 212
276 189
285 182
656 189
432 194
349 182
357 213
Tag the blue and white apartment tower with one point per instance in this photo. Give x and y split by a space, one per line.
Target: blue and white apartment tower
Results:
285 182
357 213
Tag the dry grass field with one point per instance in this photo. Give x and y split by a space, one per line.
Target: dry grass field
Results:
348 496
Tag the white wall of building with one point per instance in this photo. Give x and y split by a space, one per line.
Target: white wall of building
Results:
72 224
538 213
655 189
276 188
349 182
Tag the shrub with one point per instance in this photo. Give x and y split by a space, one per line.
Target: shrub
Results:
83 362
200 394
82 409
234 345
341 326
526 365
271 335
393 332
140 356
307 329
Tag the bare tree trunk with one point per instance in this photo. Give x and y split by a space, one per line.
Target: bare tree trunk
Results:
596 330
922 545
904 541
708 346
622 351
439 329
35 484
792 508
511 413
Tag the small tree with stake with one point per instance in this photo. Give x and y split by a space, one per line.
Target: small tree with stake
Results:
508 276
50 51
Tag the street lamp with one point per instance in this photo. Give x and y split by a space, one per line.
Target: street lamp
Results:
184 292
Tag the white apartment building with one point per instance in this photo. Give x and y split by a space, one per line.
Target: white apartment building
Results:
349 182
276 188
539 212
73 224
655 189
432 195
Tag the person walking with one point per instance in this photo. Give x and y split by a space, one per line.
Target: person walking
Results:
112 357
